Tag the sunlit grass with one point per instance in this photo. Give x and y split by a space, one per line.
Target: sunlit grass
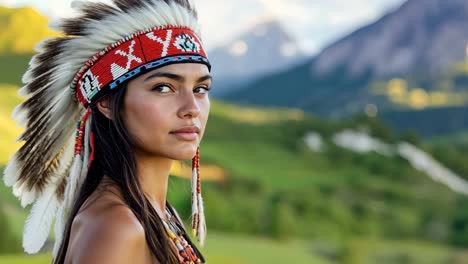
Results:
25 259
9 131
250 250
254 115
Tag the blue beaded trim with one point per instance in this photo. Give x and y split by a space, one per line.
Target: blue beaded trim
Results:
156 64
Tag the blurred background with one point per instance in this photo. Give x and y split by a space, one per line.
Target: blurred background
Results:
338 132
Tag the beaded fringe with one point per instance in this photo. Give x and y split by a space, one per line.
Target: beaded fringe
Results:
198 213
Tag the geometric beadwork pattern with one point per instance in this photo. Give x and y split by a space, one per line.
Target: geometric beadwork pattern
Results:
135 54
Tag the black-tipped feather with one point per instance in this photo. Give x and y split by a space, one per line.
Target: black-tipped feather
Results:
33 164
186 4
38 168
37 131
40 69
35 117
89 11
126 5
38 84
48 58
51 49
43 178
62 185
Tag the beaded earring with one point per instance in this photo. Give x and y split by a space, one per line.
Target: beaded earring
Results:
198 214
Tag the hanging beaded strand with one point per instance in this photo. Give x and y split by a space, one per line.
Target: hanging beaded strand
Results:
185 250
80 127
198 215
73 181
195 191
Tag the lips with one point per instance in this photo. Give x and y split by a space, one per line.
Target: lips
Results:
186 133
187 129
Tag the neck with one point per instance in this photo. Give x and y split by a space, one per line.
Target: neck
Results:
153 174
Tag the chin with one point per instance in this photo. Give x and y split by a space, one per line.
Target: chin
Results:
183 154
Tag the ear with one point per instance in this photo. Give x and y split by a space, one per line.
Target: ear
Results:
103 106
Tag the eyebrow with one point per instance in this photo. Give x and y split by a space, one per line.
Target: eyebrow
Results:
175 77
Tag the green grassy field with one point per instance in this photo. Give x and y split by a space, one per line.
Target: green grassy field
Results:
226 249
236 249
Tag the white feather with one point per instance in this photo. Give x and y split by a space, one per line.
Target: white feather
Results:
194 201
72 181
202 222
25 194
23 91
28 197
18 188
54 24
40 46
38 224
77 4
60 218
194 192
27 77
59 228
10 174
20 115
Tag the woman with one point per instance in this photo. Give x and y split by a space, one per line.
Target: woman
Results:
139 80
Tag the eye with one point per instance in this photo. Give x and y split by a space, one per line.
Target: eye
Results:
205 88
163 88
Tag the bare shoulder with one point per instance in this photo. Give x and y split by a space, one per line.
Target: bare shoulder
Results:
107 232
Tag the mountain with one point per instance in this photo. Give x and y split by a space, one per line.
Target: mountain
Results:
21 29
422 36
263 49
409 60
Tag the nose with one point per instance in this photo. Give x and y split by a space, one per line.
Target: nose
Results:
189 106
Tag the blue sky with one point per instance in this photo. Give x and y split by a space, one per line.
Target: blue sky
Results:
314 23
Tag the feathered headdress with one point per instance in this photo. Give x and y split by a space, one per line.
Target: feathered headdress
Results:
102 47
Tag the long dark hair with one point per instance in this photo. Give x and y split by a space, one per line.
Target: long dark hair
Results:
114 157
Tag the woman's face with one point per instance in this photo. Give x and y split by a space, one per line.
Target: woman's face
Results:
164 100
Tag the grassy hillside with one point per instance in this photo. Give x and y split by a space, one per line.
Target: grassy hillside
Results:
22 28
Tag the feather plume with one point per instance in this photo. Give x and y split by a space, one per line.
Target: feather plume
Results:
73 181
59 228
38 224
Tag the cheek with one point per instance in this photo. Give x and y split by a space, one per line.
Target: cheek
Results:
145 119
204 113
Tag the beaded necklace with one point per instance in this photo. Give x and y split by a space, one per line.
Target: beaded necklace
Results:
177 235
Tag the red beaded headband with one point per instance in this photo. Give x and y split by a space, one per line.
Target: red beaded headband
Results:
134 55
